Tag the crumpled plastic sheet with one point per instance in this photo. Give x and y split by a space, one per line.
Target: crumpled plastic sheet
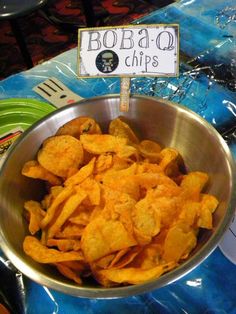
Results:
209 289
206 85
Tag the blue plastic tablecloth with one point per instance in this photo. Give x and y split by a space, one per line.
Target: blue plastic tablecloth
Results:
206 85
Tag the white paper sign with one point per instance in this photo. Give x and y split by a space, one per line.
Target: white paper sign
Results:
134 50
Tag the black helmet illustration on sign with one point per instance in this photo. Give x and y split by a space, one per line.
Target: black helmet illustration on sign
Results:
107 61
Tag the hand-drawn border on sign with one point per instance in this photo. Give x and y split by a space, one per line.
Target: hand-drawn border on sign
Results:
175 26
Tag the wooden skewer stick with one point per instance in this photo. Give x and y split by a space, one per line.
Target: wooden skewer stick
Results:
124 94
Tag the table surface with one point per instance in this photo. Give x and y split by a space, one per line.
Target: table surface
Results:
207 70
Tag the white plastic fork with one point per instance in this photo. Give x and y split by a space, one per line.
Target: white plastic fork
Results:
56 92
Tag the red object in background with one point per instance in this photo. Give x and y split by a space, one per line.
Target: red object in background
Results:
3 309
44 40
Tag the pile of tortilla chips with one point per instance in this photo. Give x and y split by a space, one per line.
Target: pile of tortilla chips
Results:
117 209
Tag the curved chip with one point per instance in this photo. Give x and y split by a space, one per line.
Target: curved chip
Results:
78 126
61 153
146 219
36 214
102 237
41 254
105 143
64 244
69 273
33 169
178 243
82 174
59 199
119 128
150 150
67 210
133 275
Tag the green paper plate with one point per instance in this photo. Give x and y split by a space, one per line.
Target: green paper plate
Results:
21 113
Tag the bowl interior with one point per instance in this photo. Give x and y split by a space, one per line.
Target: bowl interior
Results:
171 125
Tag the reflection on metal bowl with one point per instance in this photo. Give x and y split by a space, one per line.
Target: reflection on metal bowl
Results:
170 124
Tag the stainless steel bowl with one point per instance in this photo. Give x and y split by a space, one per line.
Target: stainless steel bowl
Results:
170 124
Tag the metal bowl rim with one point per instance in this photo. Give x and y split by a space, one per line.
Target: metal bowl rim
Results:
104 293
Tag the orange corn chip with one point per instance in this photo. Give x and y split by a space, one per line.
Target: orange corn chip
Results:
53 158
146 219
152 180
36 214
178 243
118 256
110 174
119 128
102 237
148 257
193 183
34 170
81 218
82 174
67 210
105 143
101 144
78 126
60 198
69 273
135 275
127 258
189 213
150 150
64 244
168 155
105 261
208 205
41 254
70 231
92 189
103 162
